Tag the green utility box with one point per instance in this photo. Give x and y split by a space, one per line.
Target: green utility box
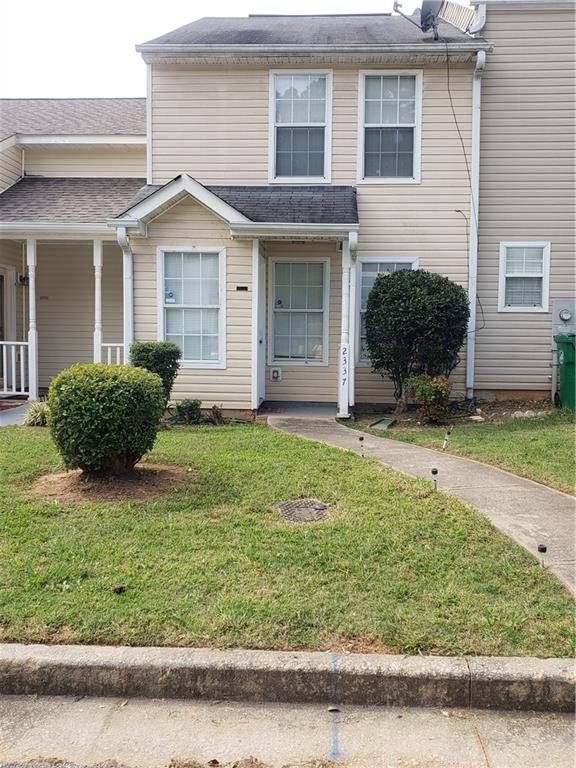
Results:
566 343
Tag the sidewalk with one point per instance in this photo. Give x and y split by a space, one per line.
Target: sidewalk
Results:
530 513
153 733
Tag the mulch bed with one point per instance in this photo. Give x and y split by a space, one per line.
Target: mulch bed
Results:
146 482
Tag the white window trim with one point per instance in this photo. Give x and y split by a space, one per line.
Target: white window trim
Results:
281 363
416 177
413 260
219 364
327 177
545 245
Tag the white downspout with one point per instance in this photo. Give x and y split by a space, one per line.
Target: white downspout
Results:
474 214
128 283
480 20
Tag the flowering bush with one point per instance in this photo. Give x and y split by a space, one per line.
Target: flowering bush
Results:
432 394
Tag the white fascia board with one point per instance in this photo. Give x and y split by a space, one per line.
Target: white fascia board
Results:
175 189
288 229
275 50
52 231
27 138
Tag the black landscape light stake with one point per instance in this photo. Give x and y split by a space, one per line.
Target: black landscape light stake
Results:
435 478
361 441
542 549
446 438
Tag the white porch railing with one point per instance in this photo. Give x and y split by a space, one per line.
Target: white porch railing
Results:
13 367
113 354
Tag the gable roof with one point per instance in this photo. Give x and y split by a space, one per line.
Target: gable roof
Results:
278 203
334 31
66 201
107 117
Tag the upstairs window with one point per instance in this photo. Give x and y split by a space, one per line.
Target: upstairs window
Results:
300 141
524 277
390 127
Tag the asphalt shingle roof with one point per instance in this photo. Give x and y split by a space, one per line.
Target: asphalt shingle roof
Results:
336 30
119 117
283 203
66 201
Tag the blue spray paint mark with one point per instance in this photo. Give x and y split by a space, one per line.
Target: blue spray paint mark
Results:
335 752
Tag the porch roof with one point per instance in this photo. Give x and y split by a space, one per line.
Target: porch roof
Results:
279 203
66 201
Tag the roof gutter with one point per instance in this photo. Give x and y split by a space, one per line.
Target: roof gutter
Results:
283 230
474 213
175 49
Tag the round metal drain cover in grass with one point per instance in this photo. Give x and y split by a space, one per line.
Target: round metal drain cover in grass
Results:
304 511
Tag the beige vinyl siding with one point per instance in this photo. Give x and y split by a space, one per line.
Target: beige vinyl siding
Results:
526 182
74 162
312 383
10 166
213 124
65 308
11 256
190 224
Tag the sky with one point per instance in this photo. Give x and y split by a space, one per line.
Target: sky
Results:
69 48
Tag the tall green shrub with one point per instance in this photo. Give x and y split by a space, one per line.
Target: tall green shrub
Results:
161 357
416 322
104 418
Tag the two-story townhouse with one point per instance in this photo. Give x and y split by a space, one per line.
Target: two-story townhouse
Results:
289 160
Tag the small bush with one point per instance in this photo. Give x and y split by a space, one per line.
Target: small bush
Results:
432 394
161 357
188 411
216 416
37 414
104 418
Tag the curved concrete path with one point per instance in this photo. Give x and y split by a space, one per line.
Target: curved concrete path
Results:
530 513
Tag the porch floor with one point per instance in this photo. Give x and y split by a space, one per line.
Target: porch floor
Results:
298 410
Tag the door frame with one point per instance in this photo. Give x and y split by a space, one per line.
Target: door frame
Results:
9 274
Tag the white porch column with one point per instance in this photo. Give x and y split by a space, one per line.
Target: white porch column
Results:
97 251
32 328
128 282
344 360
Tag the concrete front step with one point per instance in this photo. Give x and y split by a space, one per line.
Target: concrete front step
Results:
271 676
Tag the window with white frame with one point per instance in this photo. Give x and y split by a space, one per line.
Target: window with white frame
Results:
300 110
390 131
192 304
299 312
524 276
368 272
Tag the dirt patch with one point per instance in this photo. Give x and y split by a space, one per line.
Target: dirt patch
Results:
147 481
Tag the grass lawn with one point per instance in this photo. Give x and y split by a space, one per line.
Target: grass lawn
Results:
396 568
541 448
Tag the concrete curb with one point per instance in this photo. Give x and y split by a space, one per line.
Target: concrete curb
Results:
333 678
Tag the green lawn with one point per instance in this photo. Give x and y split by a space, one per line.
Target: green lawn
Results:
397 568
541 448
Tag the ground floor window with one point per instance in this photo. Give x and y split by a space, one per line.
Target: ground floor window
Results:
299 312
368 271
524 271
192 309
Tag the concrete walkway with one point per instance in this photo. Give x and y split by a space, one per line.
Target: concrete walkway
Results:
530 513
153 733
14 415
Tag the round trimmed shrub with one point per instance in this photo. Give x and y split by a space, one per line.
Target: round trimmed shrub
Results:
416 322
161 357
104 418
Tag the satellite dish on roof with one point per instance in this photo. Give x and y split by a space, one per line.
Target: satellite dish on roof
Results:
429 14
